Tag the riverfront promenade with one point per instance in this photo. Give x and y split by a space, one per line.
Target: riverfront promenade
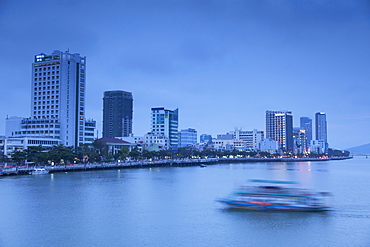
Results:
21 170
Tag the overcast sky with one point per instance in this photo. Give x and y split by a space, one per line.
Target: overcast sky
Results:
223 63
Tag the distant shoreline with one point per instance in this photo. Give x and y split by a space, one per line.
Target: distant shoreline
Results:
158 163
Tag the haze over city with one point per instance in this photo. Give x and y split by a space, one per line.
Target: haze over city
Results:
222 63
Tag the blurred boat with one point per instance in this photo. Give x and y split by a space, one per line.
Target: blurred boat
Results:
38 171
276 195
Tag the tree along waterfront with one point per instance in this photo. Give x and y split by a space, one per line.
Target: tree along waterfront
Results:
99 152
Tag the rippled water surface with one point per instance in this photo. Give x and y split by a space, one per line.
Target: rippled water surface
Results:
177 207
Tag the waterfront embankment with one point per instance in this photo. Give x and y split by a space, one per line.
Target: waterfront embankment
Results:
25 170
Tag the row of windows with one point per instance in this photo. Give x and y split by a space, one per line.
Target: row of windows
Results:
44 107
46 93
39 142
39 126
46 88
47 112
46 83
46 102
158 130
49 68
43 117
41 132
48 73
44 78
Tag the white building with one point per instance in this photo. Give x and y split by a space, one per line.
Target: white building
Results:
223 144
57 101
165 123
138 140
13 144
239 139
251 138
156 142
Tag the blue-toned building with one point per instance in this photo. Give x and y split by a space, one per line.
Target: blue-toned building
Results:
188 137
306 124
321 129
205 138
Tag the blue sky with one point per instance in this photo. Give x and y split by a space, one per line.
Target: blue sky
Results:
223 63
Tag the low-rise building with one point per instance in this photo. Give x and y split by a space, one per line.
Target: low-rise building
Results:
187 137
13 144
318 146
269 145
156 142
115 144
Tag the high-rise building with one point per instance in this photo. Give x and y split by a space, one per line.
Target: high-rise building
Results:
166 122
58 95
279 127
321 129
117 114
58 100
187 137
306 124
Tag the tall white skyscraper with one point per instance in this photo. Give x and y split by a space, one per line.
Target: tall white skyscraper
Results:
58 96
57 101
165 122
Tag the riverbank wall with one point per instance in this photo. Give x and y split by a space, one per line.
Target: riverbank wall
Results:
156 163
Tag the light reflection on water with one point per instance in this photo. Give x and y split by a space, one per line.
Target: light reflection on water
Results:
177 207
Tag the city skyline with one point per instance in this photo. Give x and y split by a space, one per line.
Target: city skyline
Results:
223 64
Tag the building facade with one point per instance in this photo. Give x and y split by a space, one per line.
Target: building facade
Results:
318 146
321 129
13 144
300 140
187 137
58 94
306 124
269 145
251 138
279 127
239 139
57 102
156 142
165 122
117 114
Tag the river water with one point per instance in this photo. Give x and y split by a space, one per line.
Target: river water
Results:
176 206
